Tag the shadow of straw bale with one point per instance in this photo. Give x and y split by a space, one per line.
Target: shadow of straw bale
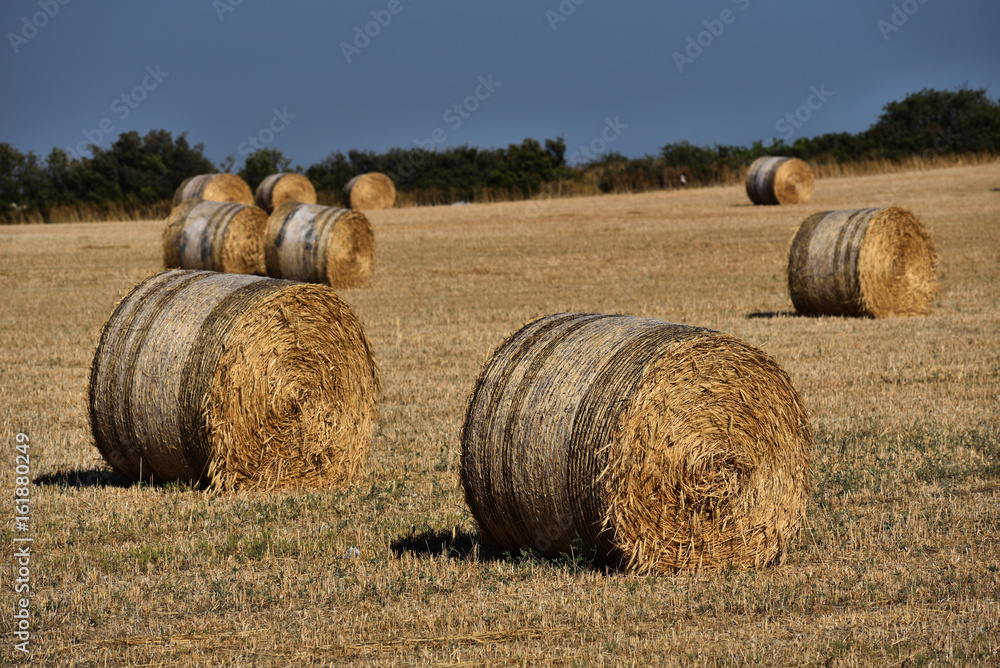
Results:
81 479
773 314
456 543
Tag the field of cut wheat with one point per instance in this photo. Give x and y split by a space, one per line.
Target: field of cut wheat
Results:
897 561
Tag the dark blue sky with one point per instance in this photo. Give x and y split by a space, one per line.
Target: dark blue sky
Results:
627 77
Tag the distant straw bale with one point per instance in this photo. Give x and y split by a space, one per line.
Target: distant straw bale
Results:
233 382
283 187
217 236
776 180
864 262
216 187
319 244
648 445
370 191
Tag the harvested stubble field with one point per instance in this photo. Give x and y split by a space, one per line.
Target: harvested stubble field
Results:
898 561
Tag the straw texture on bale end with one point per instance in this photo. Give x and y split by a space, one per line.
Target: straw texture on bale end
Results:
319 244
216 187
863 262
277 189
776 180
217 236
373 190
652 446
233 382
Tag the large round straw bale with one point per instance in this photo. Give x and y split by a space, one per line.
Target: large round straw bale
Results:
373 190
217 187
218 236
233 382
319 244
283 187
651 446
775 180
864 262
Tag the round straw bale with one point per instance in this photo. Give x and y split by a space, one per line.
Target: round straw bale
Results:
774 180
864 262
217 187
233 382
319 244
283 187
218 236
373 190
652 446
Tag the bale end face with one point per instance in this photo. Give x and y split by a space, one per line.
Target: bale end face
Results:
725 484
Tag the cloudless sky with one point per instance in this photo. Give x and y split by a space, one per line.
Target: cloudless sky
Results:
720 71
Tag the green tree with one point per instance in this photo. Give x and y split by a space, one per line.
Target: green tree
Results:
262 163
932 121
12 164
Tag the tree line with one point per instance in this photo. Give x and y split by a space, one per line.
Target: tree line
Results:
137 171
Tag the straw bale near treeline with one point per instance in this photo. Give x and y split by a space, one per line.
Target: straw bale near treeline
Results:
647 445
862 262
216 187
277 189
233 382
217 236
778 180
319 244
373 190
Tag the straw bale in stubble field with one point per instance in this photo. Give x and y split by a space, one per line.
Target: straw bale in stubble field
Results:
319 244
652 446
777 180
863 262
233 382
217 236
217 187
283 187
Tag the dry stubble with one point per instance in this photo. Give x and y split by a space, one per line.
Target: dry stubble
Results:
898 561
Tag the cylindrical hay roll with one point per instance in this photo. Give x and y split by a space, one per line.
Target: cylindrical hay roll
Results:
217 187
217 236
233 382
319 244
773 180
277 189
373 190
864 262
652 446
